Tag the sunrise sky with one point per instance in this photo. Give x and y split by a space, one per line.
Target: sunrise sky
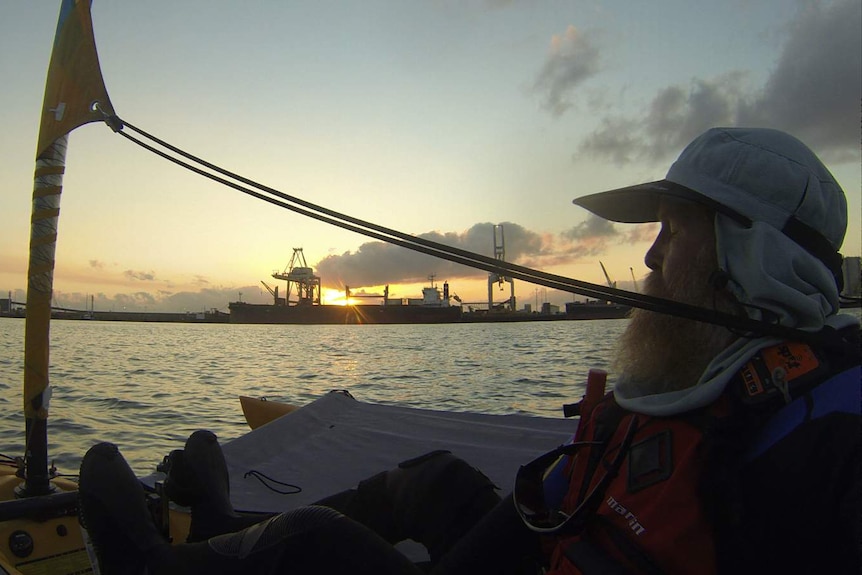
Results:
437 118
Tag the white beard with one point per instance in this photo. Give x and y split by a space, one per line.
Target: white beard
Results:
658 353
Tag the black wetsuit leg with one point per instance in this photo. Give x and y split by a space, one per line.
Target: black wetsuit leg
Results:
317 539
305 541
498 544
433 499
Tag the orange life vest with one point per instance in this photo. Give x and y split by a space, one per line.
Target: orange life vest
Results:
651 511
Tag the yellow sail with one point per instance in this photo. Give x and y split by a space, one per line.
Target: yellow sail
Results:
75 94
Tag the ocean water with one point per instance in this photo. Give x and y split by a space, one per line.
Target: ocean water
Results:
147 386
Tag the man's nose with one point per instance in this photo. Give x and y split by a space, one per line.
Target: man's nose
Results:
655 254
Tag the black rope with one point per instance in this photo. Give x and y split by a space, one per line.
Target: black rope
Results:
389 235
291 488
458 255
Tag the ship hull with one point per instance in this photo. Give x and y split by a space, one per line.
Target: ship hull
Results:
597 310
241 312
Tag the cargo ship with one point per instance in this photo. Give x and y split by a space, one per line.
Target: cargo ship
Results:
306 307
242 312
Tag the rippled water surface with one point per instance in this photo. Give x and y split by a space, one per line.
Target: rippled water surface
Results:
146 386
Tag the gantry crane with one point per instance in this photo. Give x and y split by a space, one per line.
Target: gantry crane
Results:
307 284
500 255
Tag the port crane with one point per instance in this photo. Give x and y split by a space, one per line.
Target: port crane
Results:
299 274
274 293
611 284
500 254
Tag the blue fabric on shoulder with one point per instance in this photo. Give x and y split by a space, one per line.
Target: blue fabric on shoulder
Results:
841 393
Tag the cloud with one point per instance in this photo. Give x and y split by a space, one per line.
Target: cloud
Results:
595 235
142 276
212 298
640 234
97 264
379 263
676 115
589 238
815 88
573 58
592 227
812 92
134 300
162 300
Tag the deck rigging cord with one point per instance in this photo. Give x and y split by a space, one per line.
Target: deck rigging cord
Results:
741 324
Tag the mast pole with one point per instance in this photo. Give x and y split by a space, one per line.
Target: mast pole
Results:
47 188
75 95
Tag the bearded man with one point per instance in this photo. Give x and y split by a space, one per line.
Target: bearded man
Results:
751 225
718 451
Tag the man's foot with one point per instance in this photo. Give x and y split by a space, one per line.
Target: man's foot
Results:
113 510
197 477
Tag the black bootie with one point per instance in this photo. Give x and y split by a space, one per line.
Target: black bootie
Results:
113 510
197 477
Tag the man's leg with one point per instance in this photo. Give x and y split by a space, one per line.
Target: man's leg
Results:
312 539
498 544
432 499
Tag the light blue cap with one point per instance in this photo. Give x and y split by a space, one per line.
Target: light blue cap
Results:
752 175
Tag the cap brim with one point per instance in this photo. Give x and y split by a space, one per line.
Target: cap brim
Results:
640 203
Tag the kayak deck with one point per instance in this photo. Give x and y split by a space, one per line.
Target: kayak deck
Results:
336 441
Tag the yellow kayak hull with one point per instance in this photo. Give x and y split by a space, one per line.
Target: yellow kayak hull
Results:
260 411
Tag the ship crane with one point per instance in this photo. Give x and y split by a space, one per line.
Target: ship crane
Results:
500 254
274 293
299 274
611 284
634 279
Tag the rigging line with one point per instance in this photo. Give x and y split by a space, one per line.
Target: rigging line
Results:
588 289
479 261
402 243
518 272
498 265
440 250
619 296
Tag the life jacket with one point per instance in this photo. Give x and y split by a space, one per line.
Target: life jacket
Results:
656 509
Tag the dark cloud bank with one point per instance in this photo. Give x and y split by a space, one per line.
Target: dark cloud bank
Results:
377 263
813 93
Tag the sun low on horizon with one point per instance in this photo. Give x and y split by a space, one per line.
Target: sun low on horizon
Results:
331 296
